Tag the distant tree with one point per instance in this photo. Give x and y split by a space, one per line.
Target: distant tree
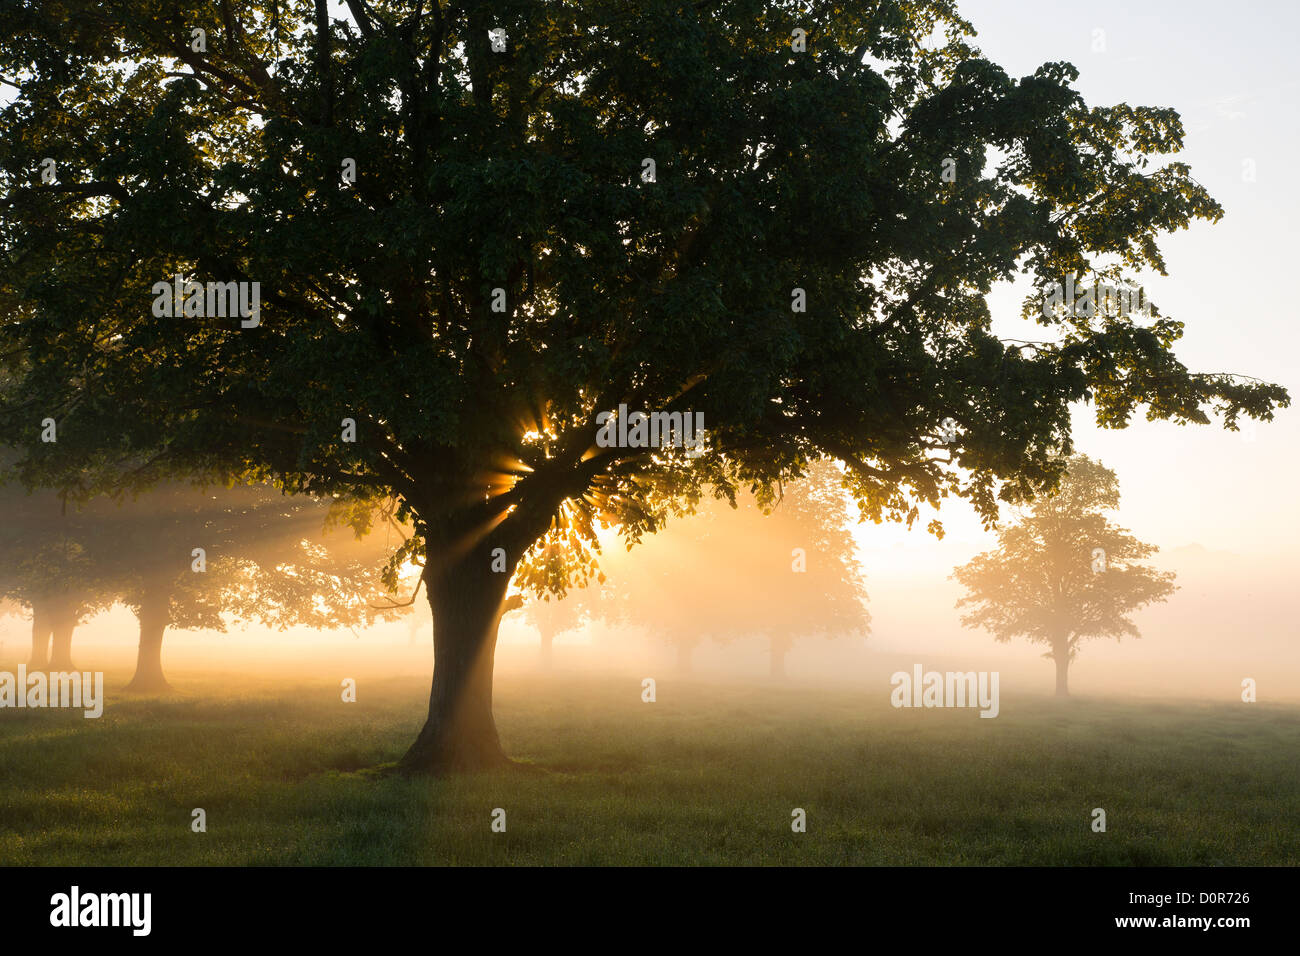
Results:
677 586
553 615
45 567
184 556
1063 573
809 541
780 568
560 579
270 558
174 554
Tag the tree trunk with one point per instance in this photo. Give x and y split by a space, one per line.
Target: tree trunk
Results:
41 632
779 646
547 639
154 615
684 658
460 734
1061 654
63 620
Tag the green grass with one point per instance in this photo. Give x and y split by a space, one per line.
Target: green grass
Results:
708 774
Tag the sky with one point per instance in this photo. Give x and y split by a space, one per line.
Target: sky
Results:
1231 79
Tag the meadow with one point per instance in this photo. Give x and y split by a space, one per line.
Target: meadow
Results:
707 774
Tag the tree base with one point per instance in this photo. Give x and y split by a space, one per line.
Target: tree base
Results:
148 685
442 754
443 765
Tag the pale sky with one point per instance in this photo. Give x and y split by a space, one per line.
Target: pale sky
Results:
1229 72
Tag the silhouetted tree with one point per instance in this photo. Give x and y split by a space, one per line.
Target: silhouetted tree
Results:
182 556
44 567
1063 573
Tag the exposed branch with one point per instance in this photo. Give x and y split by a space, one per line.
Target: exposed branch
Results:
392 604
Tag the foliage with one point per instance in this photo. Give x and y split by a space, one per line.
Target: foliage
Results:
1064 573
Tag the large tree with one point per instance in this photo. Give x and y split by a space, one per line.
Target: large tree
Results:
1063 573
470 247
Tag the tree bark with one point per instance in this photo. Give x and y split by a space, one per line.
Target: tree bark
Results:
460 734
154 615
41 633
63 621
1061 654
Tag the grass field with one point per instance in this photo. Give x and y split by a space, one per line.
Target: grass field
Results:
708 774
